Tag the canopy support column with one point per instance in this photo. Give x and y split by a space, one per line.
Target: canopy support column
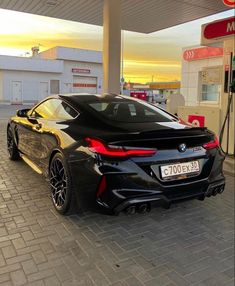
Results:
111 46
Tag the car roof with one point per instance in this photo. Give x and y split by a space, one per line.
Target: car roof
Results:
79 99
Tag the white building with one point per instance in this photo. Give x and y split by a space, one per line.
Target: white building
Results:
207 73
57 70
201 77
201 86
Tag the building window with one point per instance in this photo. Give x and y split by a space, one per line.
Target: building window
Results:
211 92
210 81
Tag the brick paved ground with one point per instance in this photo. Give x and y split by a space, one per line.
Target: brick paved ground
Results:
190 244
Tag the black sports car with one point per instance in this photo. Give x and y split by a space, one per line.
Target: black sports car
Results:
115 153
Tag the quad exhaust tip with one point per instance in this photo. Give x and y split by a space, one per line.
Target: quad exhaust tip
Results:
140 208
143 208
130 210
213 191
221 189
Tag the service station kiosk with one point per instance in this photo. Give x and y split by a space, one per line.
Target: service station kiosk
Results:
213 96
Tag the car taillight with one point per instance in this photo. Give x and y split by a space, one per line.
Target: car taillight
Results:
211 144
99 147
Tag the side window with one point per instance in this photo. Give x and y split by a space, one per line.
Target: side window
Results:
132 109
148 112
66 112
47 109
115 109
54 109
99 106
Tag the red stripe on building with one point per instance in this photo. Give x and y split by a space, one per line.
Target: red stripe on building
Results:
84 85
202 53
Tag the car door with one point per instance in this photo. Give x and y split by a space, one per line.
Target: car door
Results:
34 126
54 135
27 141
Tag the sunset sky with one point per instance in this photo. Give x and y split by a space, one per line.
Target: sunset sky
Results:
154 56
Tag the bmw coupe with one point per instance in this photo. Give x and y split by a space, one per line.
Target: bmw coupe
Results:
115 153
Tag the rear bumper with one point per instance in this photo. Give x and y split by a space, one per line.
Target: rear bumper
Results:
128 182
162 198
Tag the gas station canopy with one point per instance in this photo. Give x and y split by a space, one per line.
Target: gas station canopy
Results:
143 16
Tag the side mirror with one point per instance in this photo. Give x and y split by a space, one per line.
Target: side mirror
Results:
32 119
22 112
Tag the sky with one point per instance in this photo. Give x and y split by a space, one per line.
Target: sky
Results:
155 56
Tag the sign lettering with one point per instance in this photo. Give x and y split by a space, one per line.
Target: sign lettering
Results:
84 71
230 27
219 29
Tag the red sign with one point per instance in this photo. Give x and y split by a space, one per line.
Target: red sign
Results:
196 120
230 3
140 95
202 53
86 71
84 85
220 29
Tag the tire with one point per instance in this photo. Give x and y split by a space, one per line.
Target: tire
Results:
62 192
12 149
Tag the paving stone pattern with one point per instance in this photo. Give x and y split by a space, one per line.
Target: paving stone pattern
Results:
190 244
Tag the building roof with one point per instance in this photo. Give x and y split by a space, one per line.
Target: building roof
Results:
72 54
144 16
30 64
51 60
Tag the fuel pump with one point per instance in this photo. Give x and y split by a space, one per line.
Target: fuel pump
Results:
229 87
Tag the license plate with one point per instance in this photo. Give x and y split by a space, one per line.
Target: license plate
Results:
180 169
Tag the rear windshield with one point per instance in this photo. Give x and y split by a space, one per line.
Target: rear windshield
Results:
129 111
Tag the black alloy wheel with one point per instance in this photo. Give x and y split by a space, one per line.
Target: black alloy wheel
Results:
60 185
11 146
